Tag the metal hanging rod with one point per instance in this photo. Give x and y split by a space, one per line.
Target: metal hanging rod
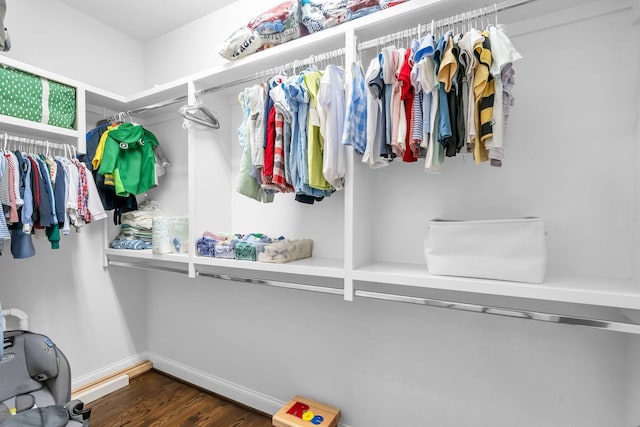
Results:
150 107
277 284
312 59
146 267
630 328
433 25
158 105
5 137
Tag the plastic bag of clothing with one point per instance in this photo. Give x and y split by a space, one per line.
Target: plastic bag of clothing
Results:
360 8
317 15
275 26
240 43
279 24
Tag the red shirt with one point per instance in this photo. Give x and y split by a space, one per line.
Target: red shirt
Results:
267 170
408 93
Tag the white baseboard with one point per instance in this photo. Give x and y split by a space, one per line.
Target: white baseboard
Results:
241 394
217 385
95 393
106 371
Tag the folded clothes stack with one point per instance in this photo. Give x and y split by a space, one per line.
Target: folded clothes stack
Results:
253 247
136 228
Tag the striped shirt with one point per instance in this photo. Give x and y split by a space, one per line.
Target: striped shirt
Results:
83 193
484 92
279 175
4 231
13 212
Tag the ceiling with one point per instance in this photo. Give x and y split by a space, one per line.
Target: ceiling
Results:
144 20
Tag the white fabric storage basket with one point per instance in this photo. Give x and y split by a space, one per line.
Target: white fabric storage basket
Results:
511 249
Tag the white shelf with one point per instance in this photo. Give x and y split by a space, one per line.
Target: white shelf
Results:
319 267
593 291
145 254
32 129
159 94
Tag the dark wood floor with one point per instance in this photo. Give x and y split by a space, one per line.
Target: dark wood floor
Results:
154 399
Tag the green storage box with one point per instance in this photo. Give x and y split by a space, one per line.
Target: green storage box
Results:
21 96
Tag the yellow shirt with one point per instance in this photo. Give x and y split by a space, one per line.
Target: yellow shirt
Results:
315 143
97 158
483 89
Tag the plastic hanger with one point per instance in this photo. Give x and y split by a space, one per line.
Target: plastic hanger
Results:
206 118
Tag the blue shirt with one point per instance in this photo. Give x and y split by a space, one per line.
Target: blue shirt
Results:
444 126
27 208
298 99
355 122
59 193
47 201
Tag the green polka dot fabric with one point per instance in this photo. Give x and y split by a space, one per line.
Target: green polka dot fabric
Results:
21 97
62 105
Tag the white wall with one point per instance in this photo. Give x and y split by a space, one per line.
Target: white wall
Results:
98 318
382 363
53 36
391 364
400 365
633 353
194 47
633 375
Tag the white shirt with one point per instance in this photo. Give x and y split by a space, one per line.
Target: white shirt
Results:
374 112
94 203
331 110
502 53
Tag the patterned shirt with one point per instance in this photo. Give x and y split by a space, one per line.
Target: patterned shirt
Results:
83 193
279 176
4 231
355 121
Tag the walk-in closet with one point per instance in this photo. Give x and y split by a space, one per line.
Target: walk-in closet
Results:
362 324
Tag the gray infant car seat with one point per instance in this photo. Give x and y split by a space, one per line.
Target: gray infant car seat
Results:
35 384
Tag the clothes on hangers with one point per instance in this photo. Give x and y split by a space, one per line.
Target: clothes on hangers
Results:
439 98
95 140
39 195
282 145
436 98
129 156
4 230
247 184
125 160
331 111
315 139
376 123
355 119
504 55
